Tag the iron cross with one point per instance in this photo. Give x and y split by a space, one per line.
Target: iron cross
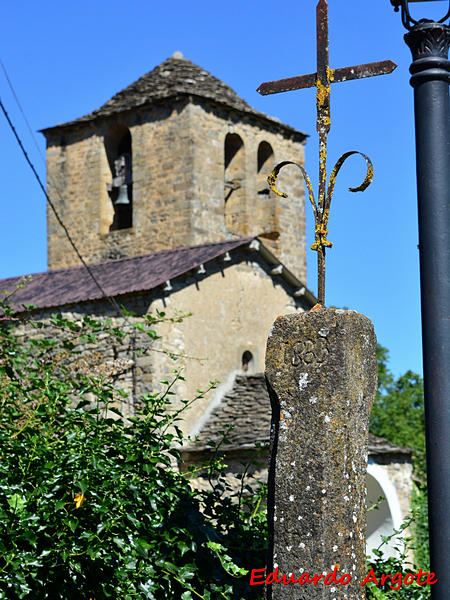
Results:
322 80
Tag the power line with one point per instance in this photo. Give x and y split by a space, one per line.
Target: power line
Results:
55 185
113 302
58 218
13 91
33 137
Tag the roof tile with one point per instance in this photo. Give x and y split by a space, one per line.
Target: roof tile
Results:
173 77
244 414
117 277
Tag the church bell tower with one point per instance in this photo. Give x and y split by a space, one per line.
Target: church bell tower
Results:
175 159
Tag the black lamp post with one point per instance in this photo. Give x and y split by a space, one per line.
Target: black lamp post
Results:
429 43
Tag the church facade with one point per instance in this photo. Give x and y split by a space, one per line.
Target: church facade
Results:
175 159
164 192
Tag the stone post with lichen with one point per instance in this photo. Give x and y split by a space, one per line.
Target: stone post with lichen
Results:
321 373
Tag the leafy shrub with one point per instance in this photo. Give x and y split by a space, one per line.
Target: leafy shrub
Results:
398 415
90 503
380 564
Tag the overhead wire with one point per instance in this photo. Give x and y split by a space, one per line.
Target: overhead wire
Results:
110 299
13 91
106 296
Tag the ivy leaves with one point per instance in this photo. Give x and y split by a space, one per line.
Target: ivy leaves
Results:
91 505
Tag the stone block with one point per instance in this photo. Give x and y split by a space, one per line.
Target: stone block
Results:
321 371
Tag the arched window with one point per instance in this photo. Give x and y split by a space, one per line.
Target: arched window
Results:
247 361
388 517
118 152
267 202
264 167
235 221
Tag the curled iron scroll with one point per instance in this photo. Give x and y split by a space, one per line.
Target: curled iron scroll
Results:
321 215
272 179
337 167
408 22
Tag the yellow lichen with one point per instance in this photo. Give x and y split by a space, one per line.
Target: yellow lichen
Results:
271 180
323 91
321 233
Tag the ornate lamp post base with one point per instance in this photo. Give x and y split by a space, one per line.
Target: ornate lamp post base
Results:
430 69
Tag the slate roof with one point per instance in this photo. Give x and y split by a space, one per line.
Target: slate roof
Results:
173 77
117 277
71 285
247 409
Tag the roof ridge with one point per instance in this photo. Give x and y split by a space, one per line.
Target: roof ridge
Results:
173 77
119 277
162 82
124 259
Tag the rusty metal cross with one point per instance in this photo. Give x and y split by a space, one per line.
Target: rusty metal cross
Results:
322 80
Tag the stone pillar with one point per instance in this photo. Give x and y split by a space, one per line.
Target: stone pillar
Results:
321 373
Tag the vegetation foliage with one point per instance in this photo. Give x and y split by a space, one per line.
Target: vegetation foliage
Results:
398 415
90 502
398 412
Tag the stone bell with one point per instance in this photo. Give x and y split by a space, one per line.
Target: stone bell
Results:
121 181
122 197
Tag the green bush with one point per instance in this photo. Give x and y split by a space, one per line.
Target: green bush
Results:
398 412
398 566
91 505
398 415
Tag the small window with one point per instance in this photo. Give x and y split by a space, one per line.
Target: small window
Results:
118 151
247 361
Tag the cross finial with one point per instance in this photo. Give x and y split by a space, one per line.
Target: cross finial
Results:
322 80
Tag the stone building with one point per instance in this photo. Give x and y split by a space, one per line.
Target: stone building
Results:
194 157
163 190
388 474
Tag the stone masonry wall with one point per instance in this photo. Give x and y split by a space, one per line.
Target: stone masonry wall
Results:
178 184
228 318
77 166
264 214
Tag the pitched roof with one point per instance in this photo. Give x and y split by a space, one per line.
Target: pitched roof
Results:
244 414
173 77
127 275
117 277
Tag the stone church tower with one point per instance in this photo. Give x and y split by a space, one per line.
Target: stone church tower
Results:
163 190
175 159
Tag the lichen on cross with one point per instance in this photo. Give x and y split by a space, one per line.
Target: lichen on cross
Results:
322 80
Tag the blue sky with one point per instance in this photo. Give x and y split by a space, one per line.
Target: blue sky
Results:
66 59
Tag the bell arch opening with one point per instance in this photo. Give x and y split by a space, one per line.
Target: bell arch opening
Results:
119 154
387 517
267 202
265 160
234 184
